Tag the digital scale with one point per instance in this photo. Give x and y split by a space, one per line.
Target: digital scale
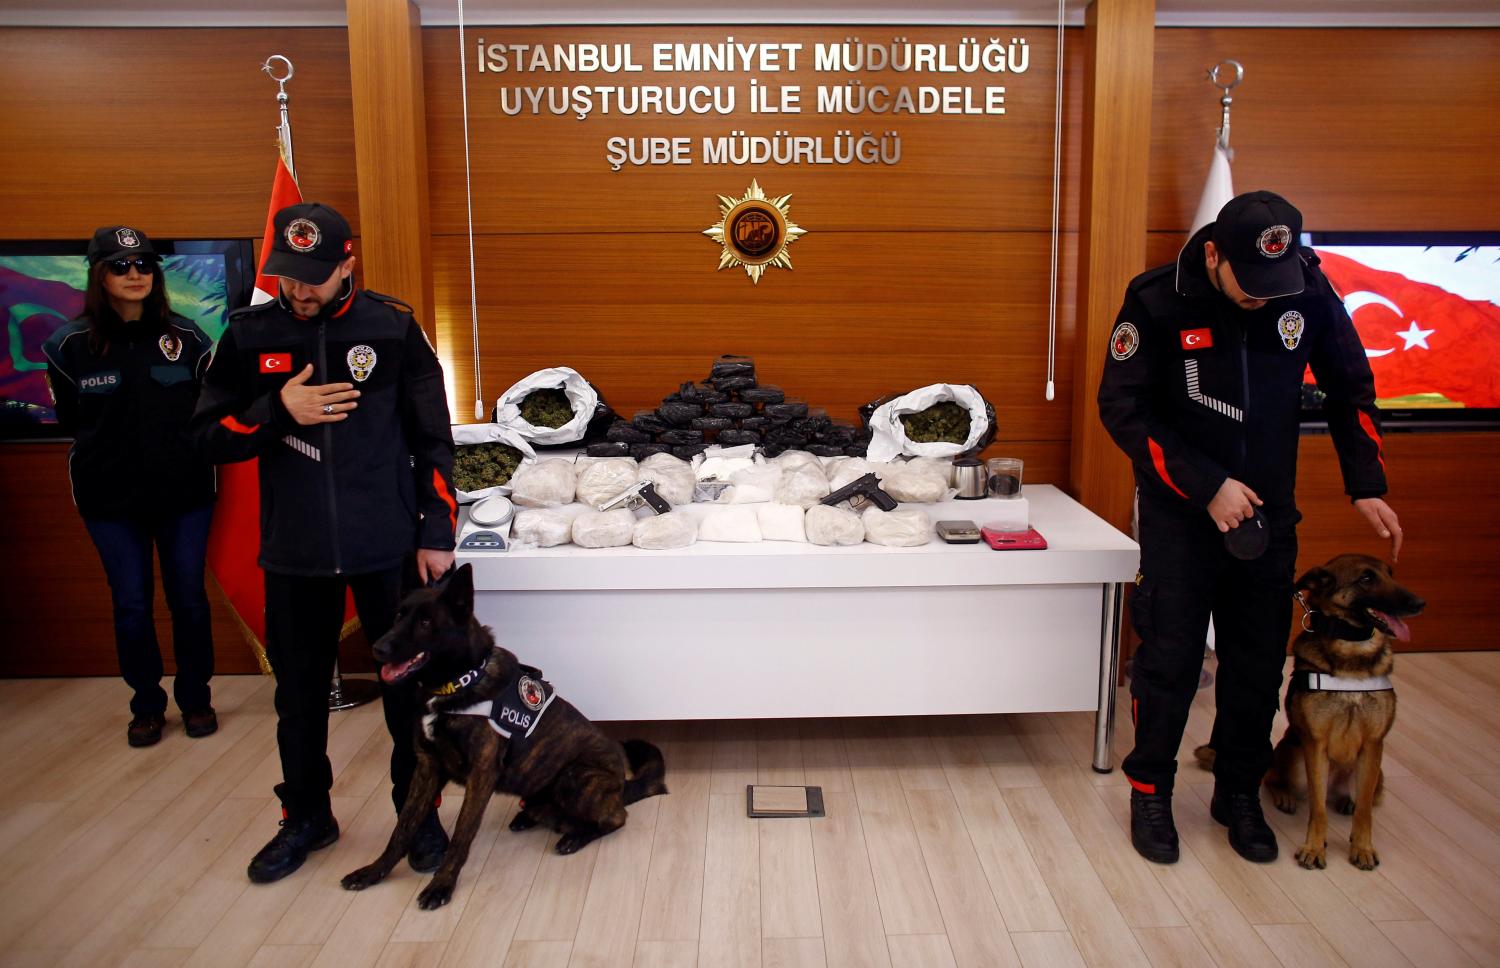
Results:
488 525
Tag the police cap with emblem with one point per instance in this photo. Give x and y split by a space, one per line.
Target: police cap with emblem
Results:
119 242
1258 233
308 242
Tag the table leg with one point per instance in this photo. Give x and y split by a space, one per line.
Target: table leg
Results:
1109 669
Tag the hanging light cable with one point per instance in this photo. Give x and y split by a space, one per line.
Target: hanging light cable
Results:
1056 205
463 77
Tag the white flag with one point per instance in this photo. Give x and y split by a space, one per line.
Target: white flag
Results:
1217 190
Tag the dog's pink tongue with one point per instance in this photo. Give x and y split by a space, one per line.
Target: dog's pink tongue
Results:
1398 628
392 671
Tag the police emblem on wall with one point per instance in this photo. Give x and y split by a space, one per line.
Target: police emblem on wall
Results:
531 692
127 238
1289 327
171 347
754 231
361 360
1124 341
1274 241
303 234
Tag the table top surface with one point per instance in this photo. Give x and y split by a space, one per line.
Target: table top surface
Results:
1082 548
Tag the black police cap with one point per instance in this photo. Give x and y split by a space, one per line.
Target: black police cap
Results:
309 241
1259 233
119 242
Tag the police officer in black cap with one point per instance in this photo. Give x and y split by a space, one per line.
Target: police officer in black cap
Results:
339 394
1202 390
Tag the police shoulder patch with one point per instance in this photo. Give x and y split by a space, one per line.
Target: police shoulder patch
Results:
1124 341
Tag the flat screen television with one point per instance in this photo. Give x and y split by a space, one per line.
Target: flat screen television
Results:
41 288
1427 307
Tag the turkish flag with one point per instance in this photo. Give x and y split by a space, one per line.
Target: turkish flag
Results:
1420 338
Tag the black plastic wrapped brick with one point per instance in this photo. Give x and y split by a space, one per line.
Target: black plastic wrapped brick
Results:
624 432
688 451
756 423
680 437
729 383
700 393
712 425
642 451
788 410
734 438
733 411
729 365
825 450
679 414
608 449
649 421
762 394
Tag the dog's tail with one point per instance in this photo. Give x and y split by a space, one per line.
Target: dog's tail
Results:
648 771
1205 756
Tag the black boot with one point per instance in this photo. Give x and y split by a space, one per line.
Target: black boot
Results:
1249 834
1152 832
289 848
428 845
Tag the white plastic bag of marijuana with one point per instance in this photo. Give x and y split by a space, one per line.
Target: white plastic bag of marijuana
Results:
582 397
888 434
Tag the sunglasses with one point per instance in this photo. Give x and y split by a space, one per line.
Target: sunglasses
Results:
122 267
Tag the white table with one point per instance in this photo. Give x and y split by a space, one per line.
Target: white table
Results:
777 629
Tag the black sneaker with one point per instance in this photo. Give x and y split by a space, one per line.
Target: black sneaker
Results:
1249 834
428 845
145 730
289 848
200 722
1152 832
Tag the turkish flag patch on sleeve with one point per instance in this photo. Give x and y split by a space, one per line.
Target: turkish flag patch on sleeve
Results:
275 362
1197 339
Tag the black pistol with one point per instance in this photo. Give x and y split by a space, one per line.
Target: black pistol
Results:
865 490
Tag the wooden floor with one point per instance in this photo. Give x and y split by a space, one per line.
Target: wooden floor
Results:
974 841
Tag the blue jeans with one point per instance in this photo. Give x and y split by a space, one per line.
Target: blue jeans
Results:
181 542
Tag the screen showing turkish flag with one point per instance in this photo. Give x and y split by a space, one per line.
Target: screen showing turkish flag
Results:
1428 316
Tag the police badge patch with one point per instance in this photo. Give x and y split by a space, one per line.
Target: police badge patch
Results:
127 238
171 347
1274 241
531 692
303 234
361 360
1289 326
1125 340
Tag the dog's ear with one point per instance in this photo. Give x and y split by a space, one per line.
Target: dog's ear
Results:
458 589
1317 581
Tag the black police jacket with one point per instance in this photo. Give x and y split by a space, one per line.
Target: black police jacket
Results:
127 402
1196 390
350 496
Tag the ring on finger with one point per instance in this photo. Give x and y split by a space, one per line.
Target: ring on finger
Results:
327 408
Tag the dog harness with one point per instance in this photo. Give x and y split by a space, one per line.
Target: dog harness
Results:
1304 680
514 714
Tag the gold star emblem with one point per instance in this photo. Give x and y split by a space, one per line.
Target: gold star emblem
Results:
754 231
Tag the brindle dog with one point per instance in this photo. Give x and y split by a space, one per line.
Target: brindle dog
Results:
567 772
1354 611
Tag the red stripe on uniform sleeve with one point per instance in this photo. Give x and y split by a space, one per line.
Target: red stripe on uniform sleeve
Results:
441 487
239 428
1147 788
1369 428
1160 460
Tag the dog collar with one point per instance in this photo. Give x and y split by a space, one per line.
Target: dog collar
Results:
462 682
1323 682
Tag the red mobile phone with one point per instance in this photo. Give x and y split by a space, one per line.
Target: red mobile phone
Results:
1028 540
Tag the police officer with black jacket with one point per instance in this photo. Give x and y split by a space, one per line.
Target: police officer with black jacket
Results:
1202 390
339 394
124 376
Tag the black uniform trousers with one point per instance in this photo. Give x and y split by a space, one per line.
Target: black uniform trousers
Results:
1186 574
304 616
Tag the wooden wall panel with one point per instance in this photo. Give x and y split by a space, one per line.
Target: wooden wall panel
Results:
545 173
1361 129
172 131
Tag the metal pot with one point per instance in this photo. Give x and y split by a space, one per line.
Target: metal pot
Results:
970 477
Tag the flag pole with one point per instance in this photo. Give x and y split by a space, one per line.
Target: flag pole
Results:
342 693
1225 101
